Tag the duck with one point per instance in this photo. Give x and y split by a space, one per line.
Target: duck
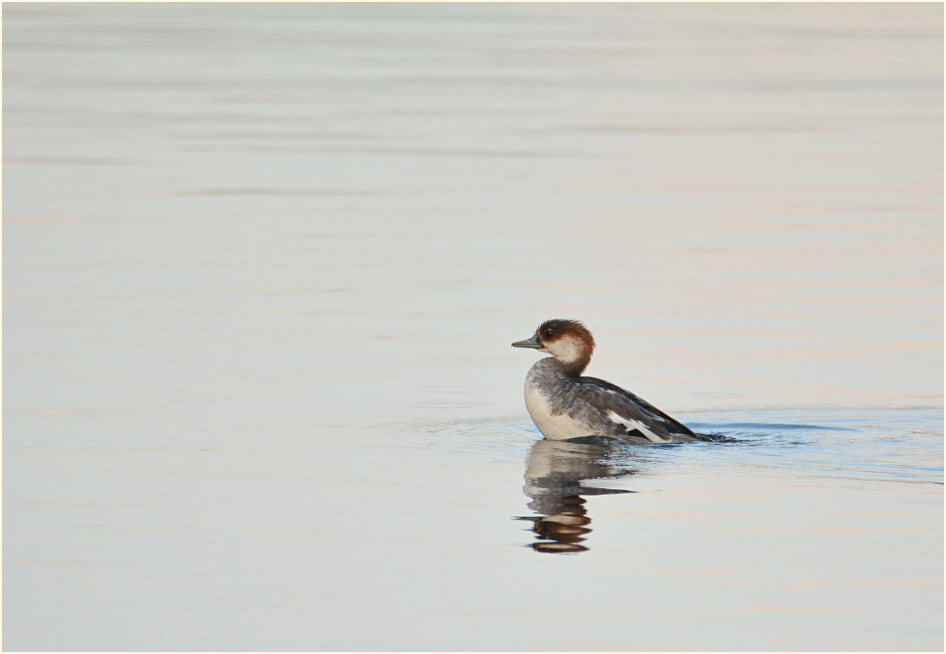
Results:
564 405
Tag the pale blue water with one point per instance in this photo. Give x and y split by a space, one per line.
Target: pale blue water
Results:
851 450
262 265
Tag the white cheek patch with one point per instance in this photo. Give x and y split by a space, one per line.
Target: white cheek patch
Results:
564 349
638 425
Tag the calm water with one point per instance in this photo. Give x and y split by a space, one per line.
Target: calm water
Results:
262 266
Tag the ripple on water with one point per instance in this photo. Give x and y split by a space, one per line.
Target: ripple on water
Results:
891 446
886 446
903 447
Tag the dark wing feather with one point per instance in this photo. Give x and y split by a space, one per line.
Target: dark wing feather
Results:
629 406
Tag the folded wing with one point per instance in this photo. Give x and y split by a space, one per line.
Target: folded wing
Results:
629 412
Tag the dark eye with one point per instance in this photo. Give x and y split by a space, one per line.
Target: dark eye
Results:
546 333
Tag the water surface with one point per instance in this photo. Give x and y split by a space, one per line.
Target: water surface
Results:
262 265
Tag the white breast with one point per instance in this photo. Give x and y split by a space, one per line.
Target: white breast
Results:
555 427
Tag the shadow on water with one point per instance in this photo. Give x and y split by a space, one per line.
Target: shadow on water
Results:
555 472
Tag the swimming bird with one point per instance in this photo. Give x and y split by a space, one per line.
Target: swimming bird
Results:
564 405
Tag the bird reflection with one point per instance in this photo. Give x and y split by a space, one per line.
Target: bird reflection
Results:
554 474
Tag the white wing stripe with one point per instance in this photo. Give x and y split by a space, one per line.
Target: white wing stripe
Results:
638 425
